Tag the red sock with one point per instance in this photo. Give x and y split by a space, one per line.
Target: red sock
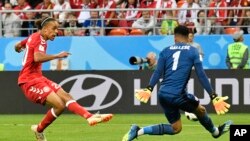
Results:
74 107
47 120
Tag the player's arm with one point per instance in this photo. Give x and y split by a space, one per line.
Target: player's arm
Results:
144 94
158 71
19 46
221 107
203 78
43 57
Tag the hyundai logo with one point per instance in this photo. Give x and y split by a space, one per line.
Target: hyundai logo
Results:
100 90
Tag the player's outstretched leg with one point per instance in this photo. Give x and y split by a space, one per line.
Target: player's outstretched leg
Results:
74 107
99 118
223 128
39 136
131 134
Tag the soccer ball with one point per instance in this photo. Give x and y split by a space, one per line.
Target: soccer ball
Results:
191 116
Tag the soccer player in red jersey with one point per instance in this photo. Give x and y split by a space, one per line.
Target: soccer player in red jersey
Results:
39 89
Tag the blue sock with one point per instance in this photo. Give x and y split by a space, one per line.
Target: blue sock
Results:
158 129
207 123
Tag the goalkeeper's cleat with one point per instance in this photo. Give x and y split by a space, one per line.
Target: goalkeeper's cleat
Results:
39 136
132 133
223 128
99 118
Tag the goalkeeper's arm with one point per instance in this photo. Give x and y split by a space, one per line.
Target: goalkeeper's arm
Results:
221 107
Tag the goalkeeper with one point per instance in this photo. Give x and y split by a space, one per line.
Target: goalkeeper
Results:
174 65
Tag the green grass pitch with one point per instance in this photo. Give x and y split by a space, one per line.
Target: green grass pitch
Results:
70 127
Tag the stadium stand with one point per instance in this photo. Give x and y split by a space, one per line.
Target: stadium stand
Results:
123 10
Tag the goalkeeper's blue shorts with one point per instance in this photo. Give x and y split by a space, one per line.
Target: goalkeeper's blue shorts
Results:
173 104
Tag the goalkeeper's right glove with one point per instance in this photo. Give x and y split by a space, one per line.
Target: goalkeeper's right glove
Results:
221 107
143 95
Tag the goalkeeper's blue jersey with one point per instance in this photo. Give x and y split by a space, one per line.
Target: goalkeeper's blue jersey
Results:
175 64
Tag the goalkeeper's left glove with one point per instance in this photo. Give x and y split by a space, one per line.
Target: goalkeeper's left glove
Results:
143 94
221 107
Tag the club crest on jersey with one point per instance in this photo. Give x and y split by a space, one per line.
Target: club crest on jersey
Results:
46 89
41 48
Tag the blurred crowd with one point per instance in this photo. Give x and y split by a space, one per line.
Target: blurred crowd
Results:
126 17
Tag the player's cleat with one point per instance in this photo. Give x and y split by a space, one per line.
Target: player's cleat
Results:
223 128
99 118
39 136
132 133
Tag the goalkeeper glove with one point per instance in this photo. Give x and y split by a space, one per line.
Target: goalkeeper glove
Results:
143 95
221 107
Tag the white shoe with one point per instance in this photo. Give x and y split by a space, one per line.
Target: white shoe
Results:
39 136
99 118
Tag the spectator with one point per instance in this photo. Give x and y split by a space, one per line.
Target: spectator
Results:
2 2
13 2
28 25
148 4
145 23
195 44
22 5
151 62
169 5
59 12
34 3
237 53
11 23
76 4
129 16
1 6
246 22
85 5
94 25
56 1
204 3
202 24
187 16
45 5
168 24
72 27
236 16
45 14
110 17
220 15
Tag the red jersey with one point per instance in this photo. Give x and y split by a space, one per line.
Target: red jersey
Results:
24 7
43 6
32 70
220 14
238 4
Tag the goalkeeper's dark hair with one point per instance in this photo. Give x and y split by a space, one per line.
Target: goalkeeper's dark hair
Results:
181 30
